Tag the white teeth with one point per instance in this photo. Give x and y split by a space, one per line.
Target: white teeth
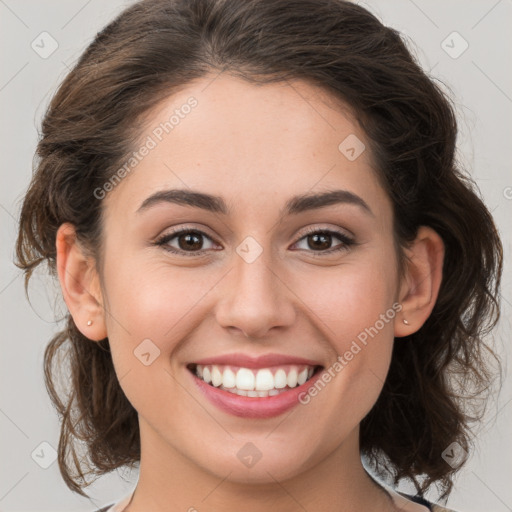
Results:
280 379
292 378
216 377
303 377
253 393
254 383
228 378
207 376
244 379
264 380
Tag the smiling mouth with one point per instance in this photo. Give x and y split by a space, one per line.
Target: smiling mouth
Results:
254 382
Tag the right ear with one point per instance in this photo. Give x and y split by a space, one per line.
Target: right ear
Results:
80 284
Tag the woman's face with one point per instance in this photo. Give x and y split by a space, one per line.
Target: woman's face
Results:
257 276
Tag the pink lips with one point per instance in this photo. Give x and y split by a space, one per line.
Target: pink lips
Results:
265 361
254 407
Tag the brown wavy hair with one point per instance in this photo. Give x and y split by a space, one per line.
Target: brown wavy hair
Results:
155 48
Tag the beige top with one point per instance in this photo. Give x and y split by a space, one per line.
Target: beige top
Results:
120 505
404 504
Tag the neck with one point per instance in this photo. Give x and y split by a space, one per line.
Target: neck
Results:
168 482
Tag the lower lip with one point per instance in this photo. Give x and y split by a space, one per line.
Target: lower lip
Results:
254 407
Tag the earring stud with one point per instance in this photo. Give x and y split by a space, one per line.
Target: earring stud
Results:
406 322
89 322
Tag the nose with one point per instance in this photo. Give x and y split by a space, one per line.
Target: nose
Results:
255 299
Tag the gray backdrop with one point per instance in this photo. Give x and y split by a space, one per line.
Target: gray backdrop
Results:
465 44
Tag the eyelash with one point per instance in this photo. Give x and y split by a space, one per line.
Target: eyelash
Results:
165 239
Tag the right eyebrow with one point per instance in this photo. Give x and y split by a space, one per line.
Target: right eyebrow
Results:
207 202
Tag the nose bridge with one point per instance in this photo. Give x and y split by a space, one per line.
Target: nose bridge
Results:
255 300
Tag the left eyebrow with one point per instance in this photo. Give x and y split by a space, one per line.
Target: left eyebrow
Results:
295 205
306 202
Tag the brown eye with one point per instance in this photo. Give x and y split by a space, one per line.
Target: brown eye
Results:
321 240
190 242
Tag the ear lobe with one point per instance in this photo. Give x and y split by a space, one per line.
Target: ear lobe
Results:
79 283
420 287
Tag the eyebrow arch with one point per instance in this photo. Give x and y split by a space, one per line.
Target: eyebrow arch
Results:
215 204
306 202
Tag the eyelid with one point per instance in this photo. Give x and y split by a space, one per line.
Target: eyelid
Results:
184 228
330 229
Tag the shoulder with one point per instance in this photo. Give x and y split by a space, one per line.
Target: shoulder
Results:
433 507
118 506
439 508
422 501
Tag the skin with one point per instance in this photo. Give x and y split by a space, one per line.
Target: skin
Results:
256 146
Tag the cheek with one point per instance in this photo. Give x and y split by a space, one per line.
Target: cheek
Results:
150 310
153 302
150 299
357 310
352 299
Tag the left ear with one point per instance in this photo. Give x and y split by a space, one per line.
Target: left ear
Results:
420 286
80 284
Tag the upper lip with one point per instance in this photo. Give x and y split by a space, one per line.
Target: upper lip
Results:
263 361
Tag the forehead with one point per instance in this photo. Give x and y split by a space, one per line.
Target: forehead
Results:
253 144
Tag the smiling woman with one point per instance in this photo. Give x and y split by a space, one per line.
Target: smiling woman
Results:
295 278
